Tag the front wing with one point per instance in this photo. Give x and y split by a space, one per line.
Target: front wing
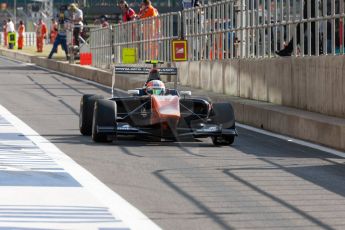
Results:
207 130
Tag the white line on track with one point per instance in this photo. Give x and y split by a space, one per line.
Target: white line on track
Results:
119 207
293 140
268 133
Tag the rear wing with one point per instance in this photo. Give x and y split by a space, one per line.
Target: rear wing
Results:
169 71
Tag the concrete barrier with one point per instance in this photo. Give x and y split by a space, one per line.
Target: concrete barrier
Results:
316 84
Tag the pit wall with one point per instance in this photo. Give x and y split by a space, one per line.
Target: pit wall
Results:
315 84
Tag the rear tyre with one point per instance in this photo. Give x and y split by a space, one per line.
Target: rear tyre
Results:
223 114
86 113
104 115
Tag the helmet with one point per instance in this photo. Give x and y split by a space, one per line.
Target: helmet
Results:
155 87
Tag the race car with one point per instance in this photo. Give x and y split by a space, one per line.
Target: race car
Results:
156 112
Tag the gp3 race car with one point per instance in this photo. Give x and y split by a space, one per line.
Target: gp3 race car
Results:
156 112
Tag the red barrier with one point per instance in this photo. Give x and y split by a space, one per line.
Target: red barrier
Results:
85 59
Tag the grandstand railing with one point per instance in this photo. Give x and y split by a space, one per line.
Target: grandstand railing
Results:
236 29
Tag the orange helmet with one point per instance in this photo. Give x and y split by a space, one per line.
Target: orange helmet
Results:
155 87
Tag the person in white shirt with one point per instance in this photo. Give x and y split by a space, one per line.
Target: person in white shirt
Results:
77 17
10 26
10 30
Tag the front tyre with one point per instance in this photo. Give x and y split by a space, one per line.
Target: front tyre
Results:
223 114
86 113
104 115
223 140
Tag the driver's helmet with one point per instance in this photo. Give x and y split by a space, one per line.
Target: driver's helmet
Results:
155 87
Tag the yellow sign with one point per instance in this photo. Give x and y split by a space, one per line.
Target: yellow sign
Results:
129 55
12 39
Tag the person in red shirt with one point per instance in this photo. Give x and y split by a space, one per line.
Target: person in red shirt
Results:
41 33
4 30
21 31
128 14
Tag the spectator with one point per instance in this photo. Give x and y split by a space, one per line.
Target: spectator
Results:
128 14
104 22
77 17
10 26
190 3
21 31
10 30
287 51
41 34
4 30
97 22
147 10
61 37
53 31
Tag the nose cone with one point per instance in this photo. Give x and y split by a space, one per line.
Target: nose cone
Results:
165 107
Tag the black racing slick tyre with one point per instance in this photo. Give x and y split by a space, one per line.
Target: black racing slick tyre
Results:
223 114
86 113
223 140
104 115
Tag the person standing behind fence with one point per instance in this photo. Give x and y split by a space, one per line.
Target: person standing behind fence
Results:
104 21
190 3
77 17
10 30
148 10
41 33
150 30
4 30
53 31
287 51
128 14
21 31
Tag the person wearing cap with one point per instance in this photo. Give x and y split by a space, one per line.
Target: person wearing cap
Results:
104 22
77 17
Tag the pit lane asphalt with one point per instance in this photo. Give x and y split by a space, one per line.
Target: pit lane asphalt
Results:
260 182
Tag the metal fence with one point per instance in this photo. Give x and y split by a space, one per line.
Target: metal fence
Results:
101 47
152 37
259 28
231 29
29 38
